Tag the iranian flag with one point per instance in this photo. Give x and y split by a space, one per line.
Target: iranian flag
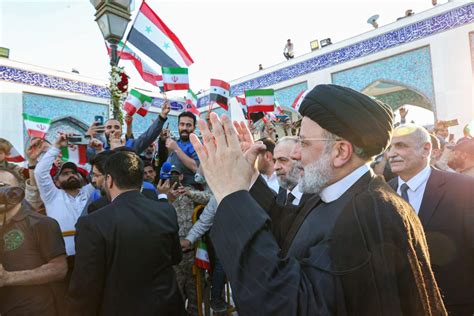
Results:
299 98
36 126
191 101
75 154
191 98
137 102
202 257
14 156
220 93
175 78
261 100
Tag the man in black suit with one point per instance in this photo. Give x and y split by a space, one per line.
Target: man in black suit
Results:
98 179
289 200
356 247
125 251
444 202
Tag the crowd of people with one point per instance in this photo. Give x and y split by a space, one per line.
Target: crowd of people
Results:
347 213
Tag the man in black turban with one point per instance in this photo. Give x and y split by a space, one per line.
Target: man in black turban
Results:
355 247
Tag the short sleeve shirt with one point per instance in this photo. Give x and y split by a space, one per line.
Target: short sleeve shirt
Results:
29 240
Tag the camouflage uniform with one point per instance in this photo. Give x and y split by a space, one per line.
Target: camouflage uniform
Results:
184 206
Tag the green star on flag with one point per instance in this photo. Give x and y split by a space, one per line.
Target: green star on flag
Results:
167 45
148 29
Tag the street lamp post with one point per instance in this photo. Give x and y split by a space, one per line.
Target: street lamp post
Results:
112 16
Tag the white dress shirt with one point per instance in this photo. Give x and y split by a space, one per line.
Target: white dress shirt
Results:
416 187
271 181
335 190
296 193
64 208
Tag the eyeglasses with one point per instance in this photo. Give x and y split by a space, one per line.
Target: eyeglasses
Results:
304 141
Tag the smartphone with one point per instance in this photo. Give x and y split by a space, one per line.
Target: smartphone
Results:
451 123
77 140
175 179
451 137
100 119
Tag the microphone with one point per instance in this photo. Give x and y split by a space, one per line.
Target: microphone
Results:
165 172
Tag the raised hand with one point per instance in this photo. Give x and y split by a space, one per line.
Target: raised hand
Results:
165 109
163 186
61 140
403 112
171 144
221 157
36 147
94 129
97 145
128 119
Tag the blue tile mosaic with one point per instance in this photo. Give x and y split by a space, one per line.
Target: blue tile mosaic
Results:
52 82
54 107
411 69
286 96
399 98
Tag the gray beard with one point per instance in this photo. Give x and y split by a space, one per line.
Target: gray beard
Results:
317 175
292 178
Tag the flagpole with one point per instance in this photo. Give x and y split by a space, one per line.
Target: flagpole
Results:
126 40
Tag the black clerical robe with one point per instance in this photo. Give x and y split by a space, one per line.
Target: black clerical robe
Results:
363 254
281 215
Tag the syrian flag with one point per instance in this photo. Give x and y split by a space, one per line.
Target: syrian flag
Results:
152 37
147 73
36 126
175 79
75 154
220 93
202 257
262 100
299 98
137 102
14 156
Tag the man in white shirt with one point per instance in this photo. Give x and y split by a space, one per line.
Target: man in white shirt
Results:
265 164
287 171
288 50
64 197
444 203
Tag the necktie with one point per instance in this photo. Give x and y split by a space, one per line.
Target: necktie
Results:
404 190
290 198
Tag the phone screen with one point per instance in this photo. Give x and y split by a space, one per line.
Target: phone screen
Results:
175 179
100 119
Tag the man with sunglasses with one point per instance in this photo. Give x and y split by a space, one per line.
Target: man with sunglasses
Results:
355 248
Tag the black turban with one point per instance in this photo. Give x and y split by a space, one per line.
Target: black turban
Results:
349 114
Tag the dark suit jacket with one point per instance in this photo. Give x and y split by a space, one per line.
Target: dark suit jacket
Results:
104 201
124 257
372 260
447 216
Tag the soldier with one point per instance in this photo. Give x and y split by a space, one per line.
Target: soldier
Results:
183 199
